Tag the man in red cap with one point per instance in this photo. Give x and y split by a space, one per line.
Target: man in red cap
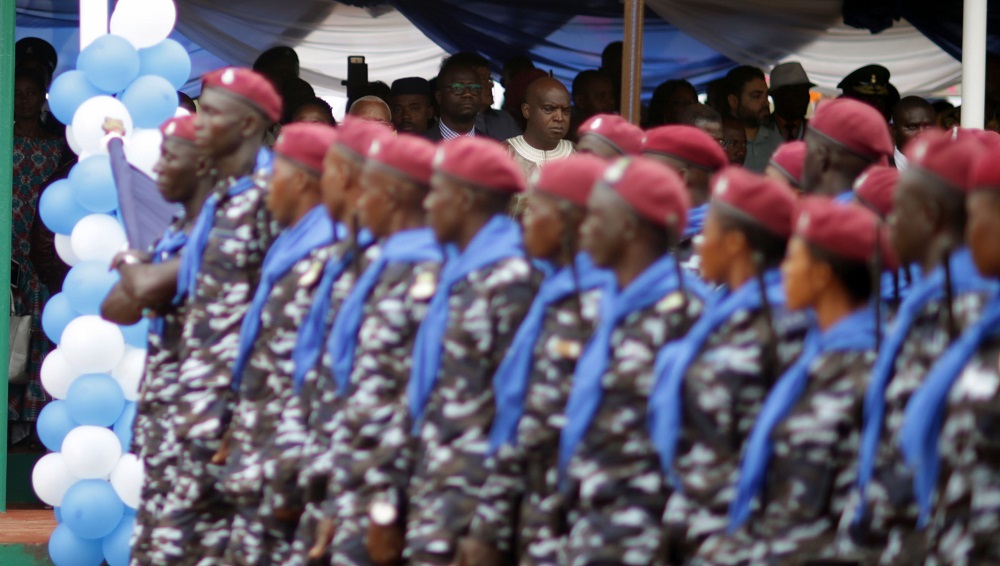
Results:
485 290
219 271
843 139
148 281
609 475
517 501
696 156
370 346
609 136
261 374
928 222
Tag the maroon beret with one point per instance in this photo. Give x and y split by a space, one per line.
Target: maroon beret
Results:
181 128
789 159
765 201
986 173
854 126
847 230
623 135
355 136
305 143
654 190
406 155
481 162
250 86
948 156
988 138
874 188
572 178
687 143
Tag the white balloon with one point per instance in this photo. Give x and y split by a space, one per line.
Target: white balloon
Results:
92 344
51 478
126 478
89 120
57 374
181 112
143 149
71 140
144 22
128 372
97 237
91 452
64 249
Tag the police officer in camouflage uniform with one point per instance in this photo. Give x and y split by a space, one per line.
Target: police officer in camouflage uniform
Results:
148 283
485 289
519 500
712 383
219 271
928 228
610 480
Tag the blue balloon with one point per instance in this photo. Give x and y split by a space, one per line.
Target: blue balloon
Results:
58 514
95 399
68 549
109 62
167 59
123 428
87 284
59 209
135 335
68 92
94 184
117 550
54 423
150 100
92 509
57 313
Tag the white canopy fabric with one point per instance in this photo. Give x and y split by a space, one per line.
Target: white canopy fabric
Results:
766 32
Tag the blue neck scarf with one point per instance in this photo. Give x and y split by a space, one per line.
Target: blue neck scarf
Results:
169 245
655 283
510 382
498 240
674 360
411 246
855 332
695 220
844 197
313 230
925 412
309 342
965 278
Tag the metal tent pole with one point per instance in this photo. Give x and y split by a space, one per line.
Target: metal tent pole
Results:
632 61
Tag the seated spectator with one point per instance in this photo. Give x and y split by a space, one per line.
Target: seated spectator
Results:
516 92
490 122
372 109
294 93
748 103
279 65
790 91
593 93
316 110
870 84
546 111
670 99
410 102
458 92
702 117
910 117
611 65
734 140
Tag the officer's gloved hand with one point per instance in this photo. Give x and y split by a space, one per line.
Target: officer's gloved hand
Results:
472 552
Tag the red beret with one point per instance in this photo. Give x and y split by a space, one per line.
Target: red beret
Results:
249 86
854 126
947 156
572 178
406 155
623 135
874 188
986 173
988 138
688 144
654 190
181 128
355 136
765 201
305 143
481 162
789 159
846 230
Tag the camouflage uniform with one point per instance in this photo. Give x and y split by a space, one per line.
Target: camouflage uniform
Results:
889 534
484 311
811 473
723 391
370 452
967 512
154 440
615 492
195 525
265 393
519 501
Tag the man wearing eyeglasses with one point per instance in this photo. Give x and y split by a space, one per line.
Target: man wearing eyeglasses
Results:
459 96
